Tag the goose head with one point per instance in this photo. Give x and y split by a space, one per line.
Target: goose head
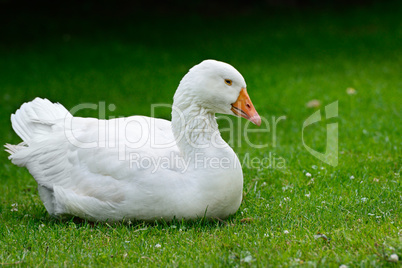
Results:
219 88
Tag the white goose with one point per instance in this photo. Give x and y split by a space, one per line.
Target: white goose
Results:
139 167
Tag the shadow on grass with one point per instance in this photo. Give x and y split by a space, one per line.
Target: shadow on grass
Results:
203 223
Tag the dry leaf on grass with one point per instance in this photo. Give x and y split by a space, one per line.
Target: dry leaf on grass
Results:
351 91
247 220
313 104
323 236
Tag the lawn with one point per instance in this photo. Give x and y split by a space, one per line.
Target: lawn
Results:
296 211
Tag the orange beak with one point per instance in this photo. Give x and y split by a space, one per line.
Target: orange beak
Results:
244 107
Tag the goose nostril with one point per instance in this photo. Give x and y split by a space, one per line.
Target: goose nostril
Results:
248 105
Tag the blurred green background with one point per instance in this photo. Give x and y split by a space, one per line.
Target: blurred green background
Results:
133 54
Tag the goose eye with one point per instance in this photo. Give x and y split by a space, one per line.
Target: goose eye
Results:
228 82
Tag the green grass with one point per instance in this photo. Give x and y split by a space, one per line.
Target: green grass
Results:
287 60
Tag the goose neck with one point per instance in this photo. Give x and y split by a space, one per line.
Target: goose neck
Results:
194 128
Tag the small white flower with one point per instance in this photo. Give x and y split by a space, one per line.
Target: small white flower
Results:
308 174
393 258
364 199
158 245
352 177
14 207
266 235
343 266
308 195
248 259
286 231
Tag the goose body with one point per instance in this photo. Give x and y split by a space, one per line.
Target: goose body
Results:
139 167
